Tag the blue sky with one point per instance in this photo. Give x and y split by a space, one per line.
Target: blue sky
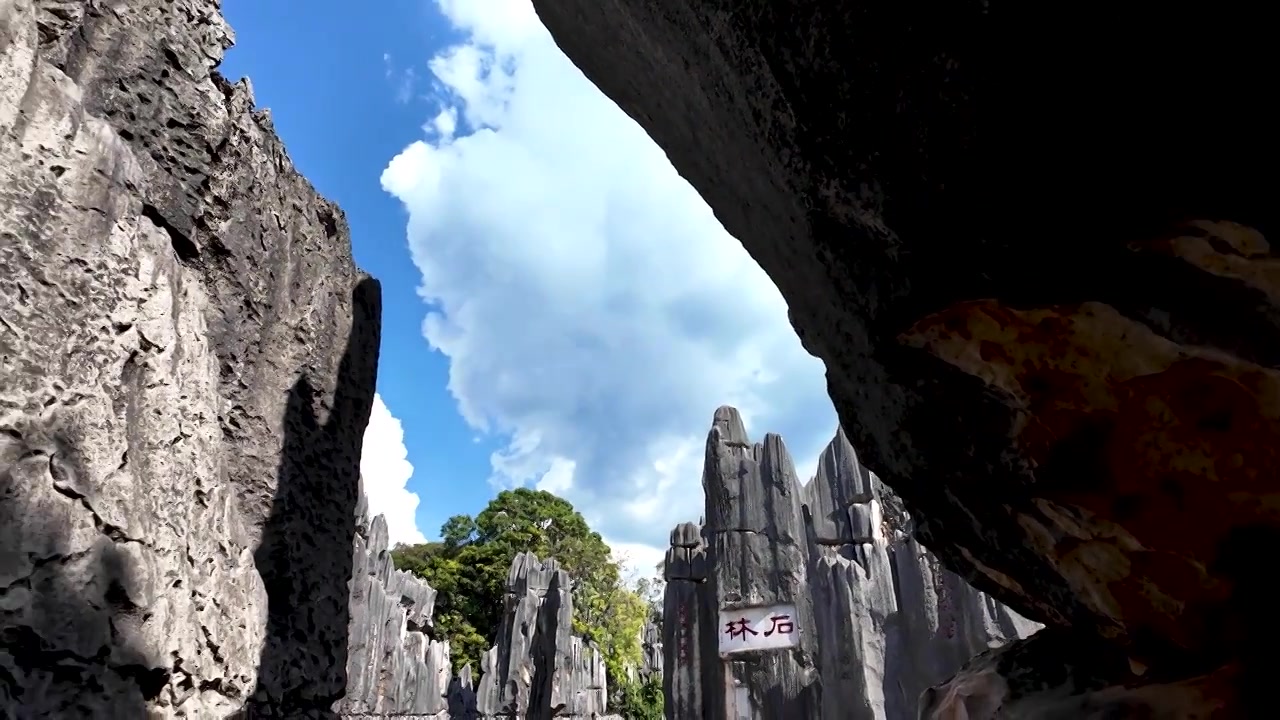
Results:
561 310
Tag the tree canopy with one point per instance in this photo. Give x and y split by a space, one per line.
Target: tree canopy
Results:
468 567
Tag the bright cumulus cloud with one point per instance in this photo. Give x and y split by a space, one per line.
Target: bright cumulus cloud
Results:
385 468
593 310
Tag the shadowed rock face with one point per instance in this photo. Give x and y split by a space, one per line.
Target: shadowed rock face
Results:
1039 276
187 363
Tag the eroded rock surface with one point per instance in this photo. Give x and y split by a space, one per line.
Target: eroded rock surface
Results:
878 619
1058 675
538 669
393 664
651 647
1040 279
187 363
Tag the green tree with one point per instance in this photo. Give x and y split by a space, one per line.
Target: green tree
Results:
640 700
458 531
469 566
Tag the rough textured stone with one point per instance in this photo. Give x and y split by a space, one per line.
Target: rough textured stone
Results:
1058 675
688 626
187 363
393 666
880 621
757 556
651 646
891 619
538 669
1040 280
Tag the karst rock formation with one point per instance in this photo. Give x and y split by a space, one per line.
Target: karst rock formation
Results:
878 619
188 358
1032 251
537 669
187 365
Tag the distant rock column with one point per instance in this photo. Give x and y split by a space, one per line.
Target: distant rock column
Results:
537 669
853 589
587 692
462 696
688 625
892 620
392 665
758 574
651 644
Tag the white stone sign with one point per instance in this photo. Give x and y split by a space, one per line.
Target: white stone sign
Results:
759 628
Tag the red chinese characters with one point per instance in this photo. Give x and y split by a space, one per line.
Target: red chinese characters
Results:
781 624
740 628
682 631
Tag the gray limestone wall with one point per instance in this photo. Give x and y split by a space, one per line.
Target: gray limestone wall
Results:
188 360
187 364
876 620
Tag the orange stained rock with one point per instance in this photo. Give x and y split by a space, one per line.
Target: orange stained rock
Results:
1147 454
1225 249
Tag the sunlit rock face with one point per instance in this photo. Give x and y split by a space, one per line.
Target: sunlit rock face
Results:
187 365
1040 279
811 600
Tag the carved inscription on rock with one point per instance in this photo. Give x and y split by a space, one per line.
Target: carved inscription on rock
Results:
772 627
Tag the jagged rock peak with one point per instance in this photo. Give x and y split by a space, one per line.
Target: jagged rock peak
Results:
686 535
392 663
528 573
843 501
838 467
728 428
748 487
879 619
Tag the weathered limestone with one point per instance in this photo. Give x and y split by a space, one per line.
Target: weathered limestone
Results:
393 666
187 364
879 621
1057 674
757 556
688 626
1040 280
651 646
538 668
892 621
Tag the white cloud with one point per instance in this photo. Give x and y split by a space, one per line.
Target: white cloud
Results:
593 310
638 560
404 80
384 464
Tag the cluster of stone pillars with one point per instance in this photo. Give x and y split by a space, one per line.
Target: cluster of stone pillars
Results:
810 600
536 670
